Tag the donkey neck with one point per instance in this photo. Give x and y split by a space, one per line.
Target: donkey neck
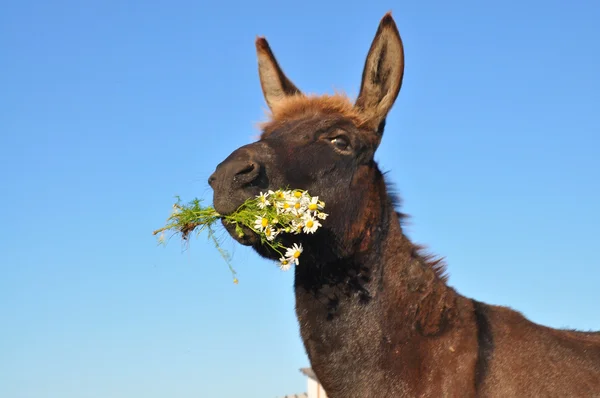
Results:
352 314
393 272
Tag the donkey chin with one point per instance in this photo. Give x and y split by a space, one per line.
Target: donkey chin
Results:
249 237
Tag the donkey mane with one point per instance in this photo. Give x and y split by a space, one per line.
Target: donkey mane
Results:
438 264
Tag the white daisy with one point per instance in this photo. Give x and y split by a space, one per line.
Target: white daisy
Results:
297 209
271 233
284 206
298 205
261 223
278 195
305 199
322 215
263 201
284 264
313 204
310 224
289 195
293 253
297 226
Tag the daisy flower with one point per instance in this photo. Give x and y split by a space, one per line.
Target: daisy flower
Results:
297 226
284 264
271 233
310 224
297 209
298 205
261 223
283 195
292 253
284 207
314 204
300 196
279 194
322 216
304 199
263 200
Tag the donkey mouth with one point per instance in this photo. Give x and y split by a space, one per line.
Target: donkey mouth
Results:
227 202
246 236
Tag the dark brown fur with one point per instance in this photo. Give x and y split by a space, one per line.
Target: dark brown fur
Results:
376 315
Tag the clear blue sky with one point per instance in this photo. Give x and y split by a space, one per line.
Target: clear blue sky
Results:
110 108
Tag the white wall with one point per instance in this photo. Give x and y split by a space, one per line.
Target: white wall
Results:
315 390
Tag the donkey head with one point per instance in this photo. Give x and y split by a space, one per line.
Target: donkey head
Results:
323 144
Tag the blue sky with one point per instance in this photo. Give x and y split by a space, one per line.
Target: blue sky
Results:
109 109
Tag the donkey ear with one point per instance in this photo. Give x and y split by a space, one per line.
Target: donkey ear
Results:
382 73
275 85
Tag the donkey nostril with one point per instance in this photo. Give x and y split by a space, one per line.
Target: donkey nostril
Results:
246 173
247 169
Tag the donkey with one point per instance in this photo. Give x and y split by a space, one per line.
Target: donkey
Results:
376 315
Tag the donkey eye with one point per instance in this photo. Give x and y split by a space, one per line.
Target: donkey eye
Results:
340 142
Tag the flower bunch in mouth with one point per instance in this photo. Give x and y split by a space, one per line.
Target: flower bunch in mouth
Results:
288 211
269 215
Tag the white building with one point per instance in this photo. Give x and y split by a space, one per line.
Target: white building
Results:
313 387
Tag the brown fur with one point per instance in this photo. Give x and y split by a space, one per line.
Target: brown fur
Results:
300 105
376 315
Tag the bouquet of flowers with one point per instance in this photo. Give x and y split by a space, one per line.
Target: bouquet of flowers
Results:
268 215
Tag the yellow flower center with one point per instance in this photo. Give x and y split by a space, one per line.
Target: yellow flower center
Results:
297 194
286 205
312 206
309 223
297 205
264 222
284 262
296 254
268 232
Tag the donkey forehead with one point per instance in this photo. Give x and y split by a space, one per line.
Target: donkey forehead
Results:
306 127
311 115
